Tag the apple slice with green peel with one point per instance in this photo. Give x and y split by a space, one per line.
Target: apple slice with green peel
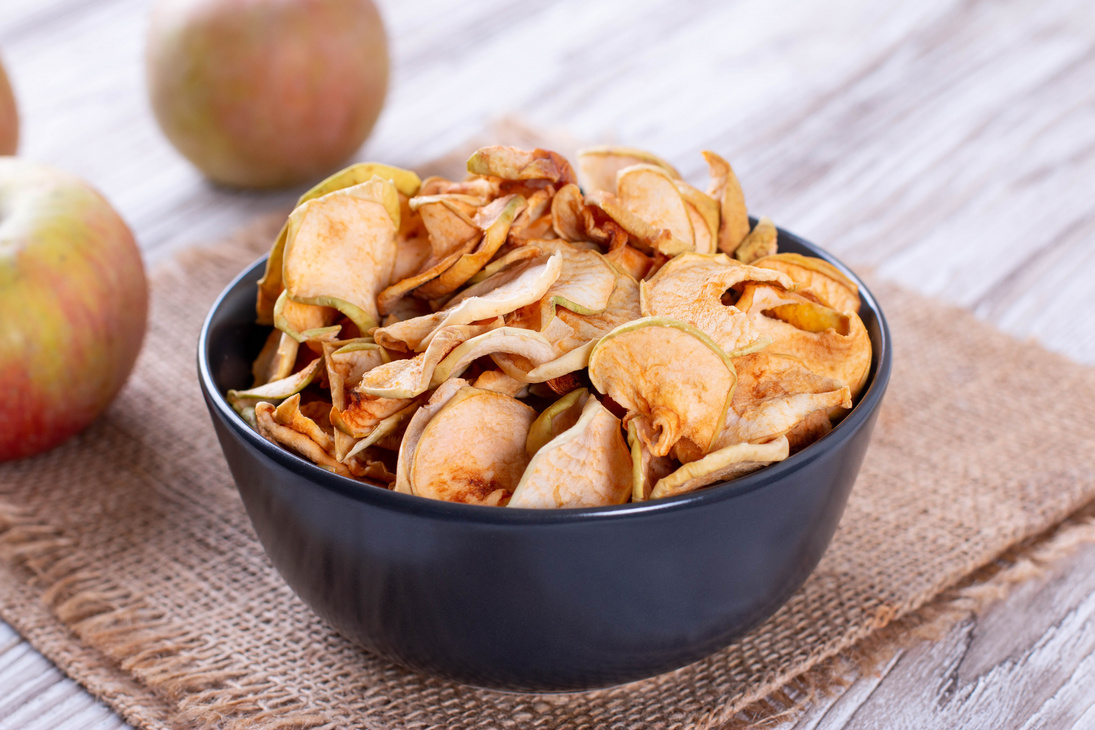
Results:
512 163
416 426
277 390
294 440
386 427
822 279
445 468
494 221
276 359
762 241
411 377
585 466
597 166
726 463
556 418
305 322
774 393
690 287
652 195
725 188
703 211
271 285
793 323
646 469
524 253
647 236
585 283
512 340
340 250
669 374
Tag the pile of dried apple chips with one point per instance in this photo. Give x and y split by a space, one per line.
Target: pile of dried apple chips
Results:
533 336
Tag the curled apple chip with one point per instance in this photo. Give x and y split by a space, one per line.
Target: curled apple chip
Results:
646 469
506 291
294 440
443 467
340 250
510 340
829 343
725 188
652 195
586 465
511 163
598 166
386 427
305 322
416 426
762 241
690 288
704 213
647 235
669 375
585 284
723 464
277 390
499 382
825 281
774 393
276 359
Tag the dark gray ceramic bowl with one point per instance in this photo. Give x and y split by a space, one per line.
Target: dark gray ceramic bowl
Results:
536 599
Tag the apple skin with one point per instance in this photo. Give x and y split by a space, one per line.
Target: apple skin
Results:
9 117
266 93
74 300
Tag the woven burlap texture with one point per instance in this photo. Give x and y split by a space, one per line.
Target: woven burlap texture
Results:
127 559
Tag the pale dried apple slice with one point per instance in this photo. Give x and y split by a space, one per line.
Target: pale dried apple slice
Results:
822 279
443 466
523 253
449 221
499 382
556 418
585 466
724 464
690 287
511 163
775 393
511 340
646 235
340 250
669 374
271 284
305 322
703 211
652 195
506 291
294 440
762 241
585 283
277 390
829 343
411 377
276 359
646 469
725 188
386 427
494 221
597 166
289 414
416 426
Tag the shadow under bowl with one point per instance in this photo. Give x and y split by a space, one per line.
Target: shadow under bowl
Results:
536 600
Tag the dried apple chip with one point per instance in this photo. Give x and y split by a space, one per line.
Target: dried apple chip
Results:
822 279
556 418
647 235
703 211
668 374
646 469
276 359
511 163
762 241
294 440
277 390
585 466
690 288
340 250
598 166
305 322
416 426
724 464
652 195
725 188
443 467
585 283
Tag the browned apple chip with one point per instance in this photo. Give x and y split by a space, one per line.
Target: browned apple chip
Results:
586 465
668 374
514 339
444 468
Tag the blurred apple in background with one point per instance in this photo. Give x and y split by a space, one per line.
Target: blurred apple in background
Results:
73 306
9 117
266 93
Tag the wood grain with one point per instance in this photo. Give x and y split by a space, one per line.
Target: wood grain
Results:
949 145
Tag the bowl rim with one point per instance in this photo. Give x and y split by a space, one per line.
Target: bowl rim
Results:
382 497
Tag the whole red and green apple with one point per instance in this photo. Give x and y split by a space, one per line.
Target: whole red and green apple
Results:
9 117
266 93
73 306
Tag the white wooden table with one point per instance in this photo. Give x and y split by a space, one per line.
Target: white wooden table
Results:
949 145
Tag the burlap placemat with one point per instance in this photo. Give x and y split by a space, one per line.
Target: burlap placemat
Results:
127 559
